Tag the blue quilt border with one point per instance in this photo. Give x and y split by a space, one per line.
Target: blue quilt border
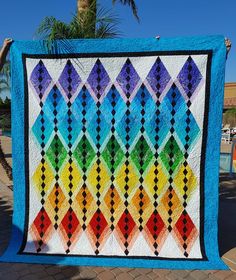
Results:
211 183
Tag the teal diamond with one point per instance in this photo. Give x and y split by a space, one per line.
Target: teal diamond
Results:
84 153
113 153
171 155
56 152
141 154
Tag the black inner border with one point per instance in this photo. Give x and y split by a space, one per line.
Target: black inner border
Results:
209 53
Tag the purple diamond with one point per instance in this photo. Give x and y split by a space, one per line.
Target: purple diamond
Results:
158 77
40 78
128 78
69 79
98 79
189 77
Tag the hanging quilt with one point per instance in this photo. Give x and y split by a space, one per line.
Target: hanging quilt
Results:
116 152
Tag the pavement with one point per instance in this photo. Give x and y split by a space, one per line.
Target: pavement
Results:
227 244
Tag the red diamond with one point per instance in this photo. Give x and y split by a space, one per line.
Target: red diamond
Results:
155 225
126 224
185 233
42 221
184 225
98 223
70 222
155 232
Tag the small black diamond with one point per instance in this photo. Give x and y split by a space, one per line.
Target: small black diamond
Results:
126 252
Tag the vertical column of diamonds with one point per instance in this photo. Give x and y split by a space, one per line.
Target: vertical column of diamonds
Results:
98 177
40 79
185 172
189 78
70 160
171 156
156 154
84 157
141 157
56 155
192 77
98 145
158 79
127 154
113 153
128 82
69 81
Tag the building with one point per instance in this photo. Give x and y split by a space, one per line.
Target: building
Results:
230 96
229 116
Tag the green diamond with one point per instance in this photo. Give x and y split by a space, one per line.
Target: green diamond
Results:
84 153
113 153
141 154
56 152
171 155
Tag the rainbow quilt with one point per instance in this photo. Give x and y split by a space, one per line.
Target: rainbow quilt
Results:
116 152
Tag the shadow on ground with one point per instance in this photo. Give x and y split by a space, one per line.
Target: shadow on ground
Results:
227 212
5 224
33 271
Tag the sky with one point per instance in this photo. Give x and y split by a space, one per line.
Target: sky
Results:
168 18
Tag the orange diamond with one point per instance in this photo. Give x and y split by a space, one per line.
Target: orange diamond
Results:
112 199
84 198
56 197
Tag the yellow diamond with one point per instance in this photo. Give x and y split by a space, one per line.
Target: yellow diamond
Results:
98 177
70 177
126 174
185 176
149 180
43 177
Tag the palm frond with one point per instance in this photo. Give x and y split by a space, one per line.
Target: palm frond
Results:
3 83
45 27
104 21
130 3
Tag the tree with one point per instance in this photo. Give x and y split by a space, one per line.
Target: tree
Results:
90 21
229 117
5 77
87 10
7 101
84 5
106 27
4 85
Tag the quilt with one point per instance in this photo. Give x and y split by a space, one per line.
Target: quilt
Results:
116 152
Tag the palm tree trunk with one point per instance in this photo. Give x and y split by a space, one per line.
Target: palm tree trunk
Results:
82 6
86 12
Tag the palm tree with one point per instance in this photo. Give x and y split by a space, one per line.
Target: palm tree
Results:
87 9
90 21
89 25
